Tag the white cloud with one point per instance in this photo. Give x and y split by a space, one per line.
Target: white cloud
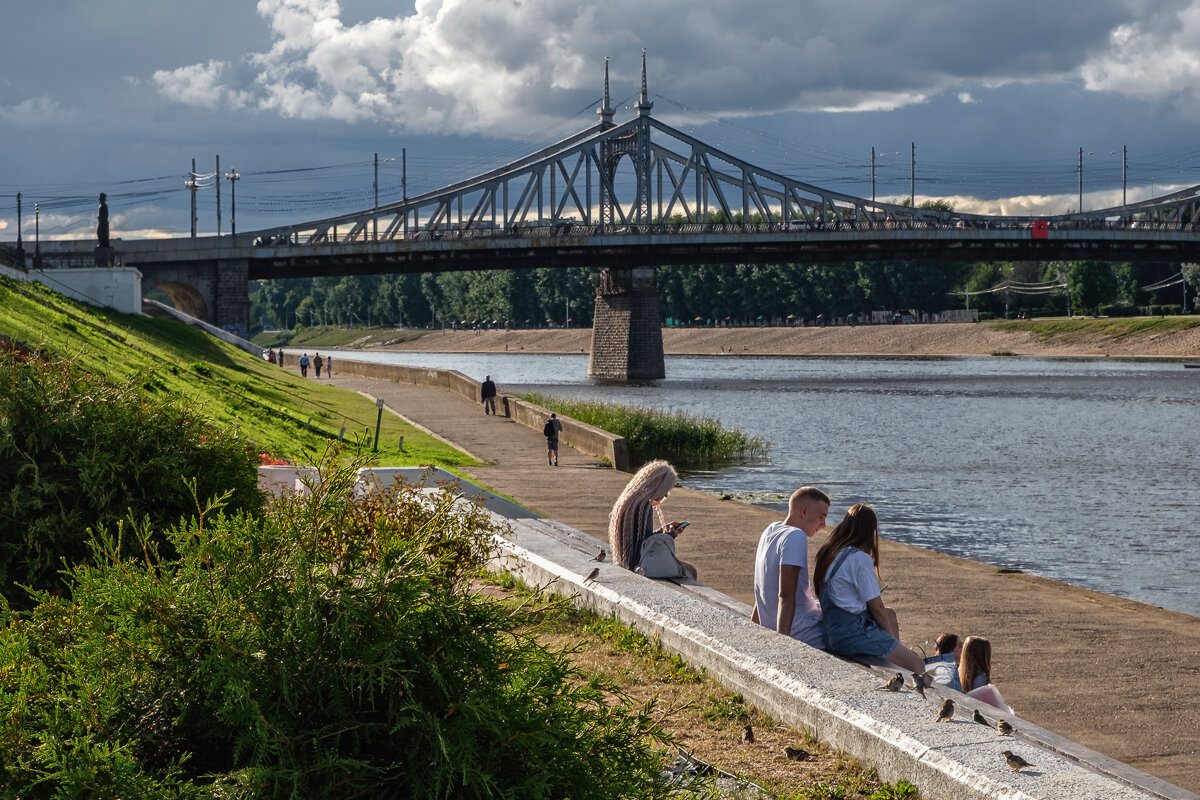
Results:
37 112
966 98
200 85
1157 57
504 67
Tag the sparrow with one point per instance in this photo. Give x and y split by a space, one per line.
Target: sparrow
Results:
894 684
796 753
946 712
921 680
748 734
600 556
982 720
1015 761
1004 728
592 575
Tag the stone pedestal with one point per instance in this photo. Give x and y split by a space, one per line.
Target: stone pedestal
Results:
105 256
627 331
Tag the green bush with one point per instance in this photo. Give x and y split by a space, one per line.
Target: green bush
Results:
78 451
685 440
334 647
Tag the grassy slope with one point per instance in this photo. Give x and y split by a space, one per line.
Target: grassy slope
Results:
230 388
1112 327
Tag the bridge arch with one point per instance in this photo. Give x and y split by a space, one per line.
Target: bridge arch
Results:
183 297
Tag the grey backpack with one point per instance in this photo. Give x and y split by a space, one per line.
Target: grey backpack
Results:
658 558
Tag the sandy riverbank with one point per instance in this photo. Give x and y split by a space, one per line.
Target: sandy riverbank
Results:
949 339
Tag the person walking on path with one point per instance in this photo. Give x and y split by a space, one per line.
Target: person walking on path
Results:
551 430
318 362
280 356
328 366
487 392
782 597
304 366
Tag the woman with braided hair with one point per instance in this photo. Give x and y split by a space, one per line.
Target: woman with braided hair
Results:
637 509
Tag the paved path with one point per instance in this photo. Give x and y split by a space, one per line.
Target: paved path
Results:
1115 675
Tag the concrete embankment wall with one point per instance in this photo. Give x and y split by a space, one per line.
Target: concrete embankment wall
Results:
586 438
118 288
838 701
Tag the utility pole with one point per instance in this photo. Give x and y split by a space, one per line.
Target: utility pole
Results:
375 216
912 176
1081 180
872 174
20 249
1124 167
232 176
192 184
37 245
218 182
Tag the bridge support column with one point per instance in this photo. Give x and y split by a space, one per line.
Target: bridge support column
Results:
232 310
627 331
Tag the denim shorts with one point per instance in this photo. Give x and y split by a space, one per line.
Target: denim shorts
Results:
856 634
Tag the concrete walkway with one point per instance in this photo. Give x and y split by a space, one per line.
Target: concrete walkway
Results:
1115 675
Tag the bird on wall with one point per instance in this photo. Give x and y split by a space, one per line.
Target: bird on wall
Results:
1015 762
599 556
592 575
946 712
982 720
1004 728
894 684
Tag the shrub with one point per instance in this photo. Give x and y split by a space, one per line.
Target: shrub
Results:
683 439
78 451
333 647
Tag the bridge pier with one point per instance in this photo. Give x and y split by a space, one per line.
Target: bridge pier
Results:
216 291
627 329
232 311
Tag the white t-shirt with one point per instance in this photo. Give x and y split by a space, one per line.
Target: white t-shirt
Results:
783 544
855 582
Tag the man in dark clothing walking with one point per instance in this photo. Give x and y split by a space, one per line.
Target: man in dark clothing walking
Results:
551 430
487 391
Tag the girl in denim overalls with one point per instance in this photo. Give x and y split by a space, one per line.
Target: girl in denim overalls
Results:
846 577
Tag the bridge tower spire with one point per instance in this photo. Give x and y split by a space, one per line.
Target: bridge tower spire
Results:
605 110
644 104
627 325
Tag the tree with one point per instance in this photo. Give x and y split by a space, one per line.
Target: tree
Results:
1191 274
1091 283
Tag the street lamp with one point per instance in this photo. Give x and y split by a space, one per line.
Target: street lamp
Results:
232 176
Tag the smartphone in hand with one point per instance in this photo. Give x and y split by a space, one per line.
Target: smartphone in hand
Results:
681 526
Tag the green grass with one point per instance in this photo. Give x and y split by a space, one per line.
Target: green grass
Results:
329 336
232 389
1115 328
677 437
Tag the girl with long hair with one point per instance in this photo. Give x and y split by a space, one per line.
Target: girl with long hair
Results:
975 669
633 515
846 577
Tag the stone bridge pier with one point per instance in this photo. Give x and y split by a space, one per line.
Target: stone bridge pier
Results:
627 329
216 291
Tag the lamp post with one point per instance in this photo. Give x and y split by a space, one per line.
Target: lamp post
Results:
37 236
232 176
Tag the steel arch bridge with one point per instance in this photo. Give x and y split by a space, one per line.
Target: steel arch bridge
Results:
689 202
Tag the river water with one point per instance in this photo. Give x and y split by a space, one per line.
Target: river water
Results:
1081 471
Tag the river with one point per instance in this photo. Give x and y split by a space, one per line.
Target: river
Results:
1085 471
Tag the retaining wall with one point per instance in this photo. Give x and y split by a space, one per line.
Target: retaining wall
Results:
580 435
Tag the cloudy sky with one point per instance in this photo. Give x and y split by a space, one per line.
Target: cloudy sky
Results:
300 95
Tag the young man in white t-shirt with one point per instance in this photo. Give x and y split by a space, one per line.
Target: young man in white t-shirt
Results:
783 597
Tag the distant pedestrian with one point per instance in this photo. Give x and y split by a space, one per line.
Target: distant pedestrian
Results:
318 362
271 355
304 366
487 391
551 430
280 356
328 366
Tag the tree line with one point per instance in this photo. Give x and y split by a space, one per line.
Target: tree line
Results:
715 294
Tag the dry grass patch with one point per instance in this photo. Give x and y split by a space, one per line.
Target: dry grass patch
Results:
697 713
